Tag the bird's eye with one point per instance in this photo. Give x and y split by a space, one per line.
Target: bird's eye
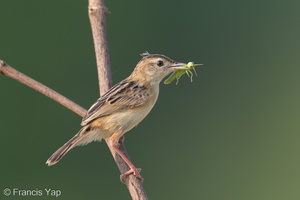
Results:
160 63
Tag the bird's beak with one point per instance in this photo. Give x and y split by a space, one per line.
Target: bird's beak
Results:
177 65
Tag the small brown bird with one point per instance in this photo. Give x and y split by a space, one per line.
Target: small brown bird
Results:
124 106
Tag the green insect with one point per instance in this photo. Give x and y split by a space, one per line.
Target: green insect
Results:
184 69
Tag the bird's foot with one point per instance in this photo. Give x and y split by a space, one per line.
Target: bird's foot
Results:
135 172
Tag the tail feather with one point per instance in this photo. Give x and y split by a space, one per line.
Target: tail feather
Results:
57 155
84 136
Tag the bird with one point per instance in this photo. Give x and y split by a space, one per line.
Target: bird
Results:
122 107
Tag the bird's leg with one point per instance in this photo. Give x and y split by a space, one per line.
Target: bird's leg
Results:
133 170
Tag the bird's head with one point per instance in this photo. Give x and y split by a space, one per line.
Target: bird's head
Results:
153 68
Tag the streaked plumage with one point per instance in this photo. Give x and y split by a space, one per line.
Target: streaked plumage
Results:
124 106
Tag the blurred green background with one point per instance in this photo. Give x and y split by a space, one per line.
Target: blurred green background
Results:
231 134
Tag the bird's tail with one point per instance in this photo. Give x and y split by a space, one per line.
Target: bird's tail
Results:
82 137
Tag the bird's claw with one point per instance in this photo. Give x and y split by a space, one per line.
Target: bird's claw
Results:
135 172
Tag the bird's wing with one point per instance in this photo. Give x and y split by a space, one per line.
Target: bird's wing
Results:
124 95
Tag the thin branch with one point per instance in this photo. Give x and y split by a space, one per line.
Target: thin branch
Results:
11 72
97 15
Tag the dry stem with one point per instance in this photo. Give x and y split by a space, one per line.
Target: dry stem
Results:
97 15
11 72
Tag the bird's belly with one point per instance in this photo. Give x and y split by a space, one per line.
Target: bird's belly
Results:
130 118
124 121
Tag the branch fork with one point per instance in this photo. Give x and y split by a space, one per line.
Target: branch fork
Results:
97 13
